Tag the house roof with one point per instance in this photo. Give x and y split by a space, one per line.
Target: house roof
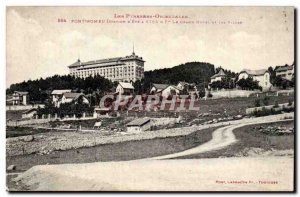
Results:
139 122
219 74
30 110
173 86
255 72
20 92
126 85
185 83
72 95
160 86
284 68
60 92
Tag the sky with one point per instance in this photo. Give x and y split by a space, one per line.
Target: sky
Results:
37 45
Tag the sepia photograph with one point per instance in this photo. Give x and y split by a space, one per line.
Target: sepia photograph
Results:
150 98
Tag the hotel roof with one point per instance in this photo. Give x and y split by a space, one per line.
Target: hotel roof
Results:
107 61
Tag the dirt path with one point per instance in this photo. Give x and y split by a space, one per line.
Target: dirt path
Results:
221 138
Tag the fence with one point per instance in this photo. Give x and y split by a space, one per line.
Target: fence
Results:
247 93
232 93
23 107
268 107
47 118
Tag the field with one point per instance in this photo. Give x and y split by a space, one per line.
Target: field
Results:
209 110
14 115
214 109
114 152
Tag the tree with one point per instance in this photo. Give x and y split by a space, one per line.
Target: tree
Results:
138 89
40 89
225 83
272 74
248 84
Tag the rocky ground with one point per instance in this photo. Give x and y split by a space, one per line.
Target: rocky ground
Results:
45 143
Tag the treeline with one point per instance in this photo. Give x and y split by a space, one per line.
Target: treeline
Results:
40 89
191 72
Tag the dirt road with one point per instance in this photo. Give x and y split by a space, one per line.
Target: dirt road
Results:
221 138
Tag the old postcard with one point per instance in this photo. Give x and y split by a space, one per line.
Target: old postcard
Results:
150 99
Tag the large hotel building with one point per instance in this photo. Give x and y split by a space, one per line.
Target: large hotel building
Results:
128 68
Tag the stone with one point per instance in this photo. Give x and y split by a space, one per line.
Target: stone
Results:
28 138
11 167
239 116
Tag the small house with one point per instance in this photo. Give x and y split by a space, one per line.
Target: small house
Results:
218 76
57 95
189 88
285 72
262 76
125 88
170 91
158 88
70 97
20 98
139 125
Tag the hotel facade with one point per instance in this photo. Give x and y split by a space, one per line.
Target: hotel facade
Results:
128 68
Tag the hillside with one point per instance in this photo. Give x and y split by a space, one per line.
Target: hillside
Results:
193 72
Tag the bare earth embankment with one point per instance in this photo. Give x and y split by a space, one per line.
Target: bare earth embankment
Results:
226 174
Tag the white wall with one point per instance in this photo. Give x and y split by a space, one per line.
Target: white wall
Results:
166 92
231 93
120 89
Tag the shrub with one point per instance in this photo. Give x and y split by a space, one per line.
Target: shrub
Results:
257 103
290 102
288 109
276 104
266 112
266 100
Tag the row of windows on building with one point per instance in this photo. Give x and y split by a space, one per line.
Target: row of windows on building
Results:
112 69
106 73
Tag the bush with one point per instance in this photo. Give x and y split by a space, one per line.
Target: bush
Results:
266 100
257 103
290 102
288 109
276 104
266 112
